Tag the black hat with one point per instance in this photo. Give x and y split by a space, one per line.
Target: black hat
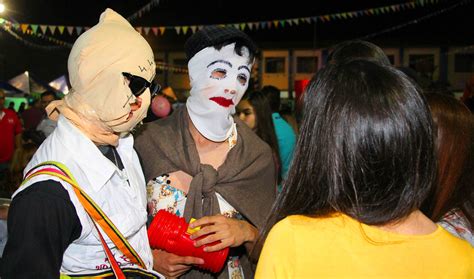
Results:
215 35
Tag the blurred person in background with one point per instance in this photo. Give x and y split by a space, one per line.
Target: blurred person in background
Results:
284 132
451 201
10 139
254 110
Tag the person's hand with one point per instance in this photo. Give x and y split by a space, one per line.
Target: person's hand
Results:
171 265
228 231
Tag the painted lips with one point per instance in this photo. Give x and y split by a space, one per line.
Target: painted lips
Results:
222 101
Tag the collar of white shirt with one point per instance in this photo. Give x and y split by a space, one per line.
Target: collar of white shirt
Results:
96 167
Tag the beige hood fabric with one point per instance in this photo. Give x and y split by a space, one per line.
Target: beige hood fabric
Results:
99 103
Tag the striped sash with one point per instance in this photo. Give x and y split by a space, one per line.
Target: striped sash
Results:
60 171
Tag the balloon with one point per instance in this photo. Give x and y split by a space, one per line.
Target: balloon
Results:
160 106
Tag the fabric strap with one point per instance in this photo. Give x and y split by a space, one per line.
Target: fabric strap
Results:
60 171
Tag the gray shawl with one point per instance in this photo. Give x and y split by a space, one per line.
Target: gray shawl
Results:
246 179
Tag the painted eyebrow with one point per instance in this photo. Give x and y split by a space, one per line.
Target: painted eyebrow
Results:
244 67
220 61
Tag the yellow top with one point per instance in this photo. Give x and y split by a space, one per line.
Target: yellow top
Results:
341 247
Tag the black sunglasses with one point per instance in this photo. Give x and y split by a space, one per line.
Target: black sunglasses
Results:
138 85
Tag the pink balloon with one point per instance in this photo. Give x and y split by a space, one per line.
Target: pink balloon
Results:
160 106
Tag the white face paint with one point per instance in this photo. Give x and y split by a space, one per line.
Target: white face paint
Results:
219 79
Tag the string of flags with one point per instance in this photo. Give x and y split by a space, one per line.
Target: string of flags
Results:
414 21
143 10
254 25
8 27
171 68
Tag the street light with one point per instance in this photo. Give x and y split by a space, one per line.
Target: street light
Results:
2 7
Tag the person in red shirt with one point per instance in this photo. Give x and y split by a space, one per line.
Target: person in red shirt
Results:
10 129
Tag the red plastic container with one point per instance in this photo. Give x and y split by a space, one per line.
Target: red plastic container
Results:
169 232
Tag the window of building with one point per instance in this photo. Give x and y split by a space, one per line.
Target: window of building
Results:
422 63
275 65
307 64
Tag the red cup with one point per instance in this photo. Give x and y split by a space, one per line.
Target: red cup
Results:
168 232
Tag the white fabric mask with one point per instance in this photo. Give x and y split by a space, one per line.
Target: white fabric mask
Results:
219 79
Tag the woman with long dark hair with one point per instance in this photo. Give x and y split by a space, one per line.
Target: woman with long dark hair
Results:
254 110
452 200
363 165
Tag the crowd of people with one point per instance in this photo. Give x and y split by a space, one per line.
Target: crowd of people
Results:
375 181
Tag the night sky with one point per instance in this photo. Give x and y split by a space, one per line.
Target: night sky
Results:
452 28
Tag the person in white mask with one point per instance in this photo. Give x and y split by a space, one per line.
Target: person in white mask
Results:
203 163
81 210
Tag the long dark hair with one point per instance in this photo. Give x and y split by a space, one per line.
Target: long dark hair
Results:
264 127
366 147
455 144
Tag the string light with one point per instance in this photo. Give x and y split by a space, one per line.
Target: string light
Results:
2 7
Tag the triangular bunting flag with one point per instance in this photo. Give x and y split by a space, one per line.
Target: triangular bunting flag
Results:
193 28
185 30
147 30
61 29
344 15
16 26
2 20
139 29
236 26
70 29
242 26
351 14
34 27
387 9
372 11
327 18
162 30
296 21
178 29
336 16
24 27
79 29
275 23
154 30
52 28
322 19
43 28
250 24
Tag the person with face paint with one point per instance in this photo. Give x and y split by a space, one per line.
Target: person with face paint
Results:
203 163
81 210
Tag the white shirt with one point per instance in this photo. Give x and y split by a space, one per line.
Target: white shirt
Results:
120 194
